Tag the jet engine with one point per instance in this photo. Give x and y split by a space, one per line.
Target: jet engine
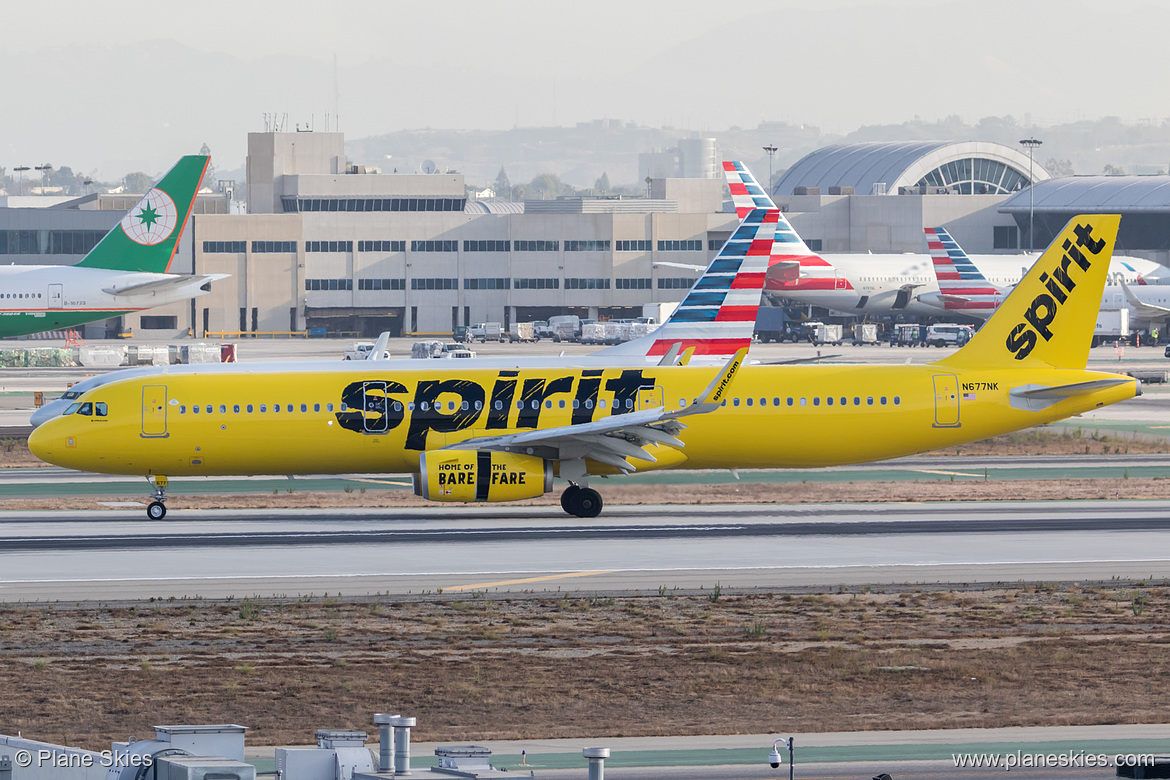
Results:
472 475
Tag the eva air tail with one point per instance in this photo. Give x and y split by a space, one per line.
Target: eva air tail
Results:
1048 319
148 235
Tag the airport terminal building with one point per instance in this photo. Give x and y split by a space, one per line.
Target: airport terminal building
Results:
326 244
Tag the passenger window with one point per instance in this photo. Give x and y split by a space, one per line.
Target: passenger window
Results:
195 409
249 407
424 406
764 402
735 402
329 407
519 404
883 400
869 400
588 403
100 409
316 407
289 408
223 408
804 402
182 410
409 406
629 403
856 401
547 404
601 404
897 400
790 402
397 406
236 408
263 408
817 401
562 403
749 401
462 406
844 401
776 402
478 406
828 401
499 405
304 407
535 404
209 408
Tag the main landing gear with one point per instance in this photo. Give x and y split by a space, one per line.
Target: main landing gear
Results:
157 510
581 501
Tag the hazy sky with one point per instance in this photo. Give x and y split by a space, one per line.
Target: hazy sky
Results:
113 86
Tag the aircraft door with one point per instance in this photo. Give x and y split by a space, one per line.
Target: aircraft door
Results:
649 397
56 296
375 406
154 412
946 401
840 282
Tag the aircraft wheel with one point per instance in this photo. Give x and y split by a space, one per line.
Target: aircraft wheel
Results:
156 510
588 503
569 497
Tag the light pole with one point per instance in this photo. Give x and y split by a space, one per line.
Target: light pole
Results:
771 150
1031 144
42 169
21 169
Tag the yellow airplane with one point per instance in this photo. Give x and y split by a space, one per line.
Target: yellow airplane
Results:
471 434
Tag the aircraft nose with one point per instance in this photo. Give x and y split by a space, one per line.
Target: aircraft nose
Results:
38 444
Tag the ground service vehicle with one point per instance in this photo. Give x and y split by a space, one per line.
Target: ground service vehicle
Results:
565 327
948 335
863 333
521 331
469 432
486 331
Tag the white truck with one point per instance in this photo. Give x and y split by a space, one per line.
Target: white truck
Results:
659 312
486 331
1112 325
364 350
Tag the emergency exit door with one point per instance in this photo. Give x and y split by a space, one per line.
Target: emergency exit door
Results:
154 412
946 401
649 397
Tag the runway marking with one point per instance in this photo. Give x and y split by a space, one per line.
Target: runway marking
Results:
528 579
948 473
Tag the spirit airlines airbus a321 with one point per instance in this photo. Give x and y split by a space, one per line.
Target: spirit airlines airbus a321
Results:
469 434
126 271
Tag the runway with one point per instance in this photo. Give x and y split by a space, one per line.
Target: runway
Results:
216 554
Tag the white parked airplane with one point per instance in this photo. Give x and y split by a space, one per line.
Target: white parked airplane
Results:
126 271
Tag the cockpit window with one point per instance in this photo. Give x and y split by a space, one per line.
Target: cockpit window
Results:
100 409
86 409
72 408
70 394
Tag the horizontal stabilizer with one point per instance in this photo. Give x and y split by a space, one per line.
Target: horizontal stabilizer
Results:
168 282
1035 398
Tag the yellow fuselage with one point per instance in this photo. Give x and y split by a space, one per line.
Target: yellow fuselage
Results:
775 416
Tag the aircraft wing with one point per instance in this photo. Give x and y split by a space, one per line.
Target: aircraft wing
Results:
1143 310
614 439
167 282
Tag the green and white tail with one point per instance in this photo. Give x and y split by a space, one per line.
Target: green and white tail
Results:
146 238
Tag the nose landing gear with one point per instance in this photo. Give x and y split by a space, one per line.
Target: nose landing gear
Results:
157 510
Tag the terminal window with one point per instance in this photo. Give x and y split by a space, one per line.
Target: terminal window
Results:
675 283
537 246
291 205
270 247
487 284
434 284
639 245
489 245
329 284
536 284
587 246
1005 237
224 247
632 284
587 284
381 284
381 246
328 246
434 246
689 245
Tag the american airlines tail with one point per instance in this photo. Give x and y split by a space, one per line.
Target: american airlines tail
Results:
792 266
962 287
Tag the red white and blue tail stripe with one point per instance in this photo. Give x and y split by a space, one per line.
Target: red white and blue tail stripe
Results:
792 265
718 316
961 285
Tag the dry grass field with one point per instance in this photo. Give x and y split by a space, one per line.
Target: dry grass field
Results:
590 664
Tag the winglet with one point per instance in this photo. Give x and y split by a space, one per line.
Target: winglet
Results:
712 397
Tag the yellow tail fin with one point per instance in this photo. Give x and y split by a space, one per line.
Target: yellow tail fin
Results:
1049 318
